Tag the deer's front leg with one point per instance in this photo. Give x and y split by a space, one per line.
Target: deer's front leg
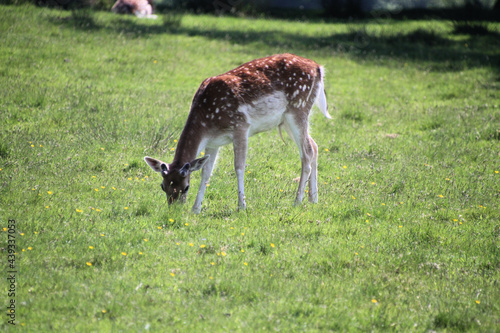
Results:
206 172
240 145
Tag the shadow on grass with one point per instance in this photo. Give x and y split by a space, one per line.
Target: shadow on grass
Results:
478 45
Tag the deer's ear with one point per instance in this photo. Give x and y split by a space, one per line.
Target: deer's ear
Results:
198 163
156 165
184 170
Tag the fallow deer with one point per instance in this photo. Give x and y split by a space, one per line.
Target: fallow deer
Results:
276 91
140 8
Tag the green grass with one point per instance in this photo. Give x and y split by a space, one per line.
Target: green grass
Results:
406 234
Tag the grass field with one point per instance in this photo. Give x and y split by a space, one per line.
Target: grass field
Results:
406 234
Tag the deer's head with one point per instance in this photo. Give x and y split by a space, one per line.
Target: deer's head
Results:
175 182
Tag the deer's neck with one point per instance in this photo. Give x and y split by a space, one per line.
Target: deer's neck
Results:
191 142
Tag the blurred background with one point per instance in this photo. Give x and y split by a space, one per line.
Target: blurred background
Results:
304 9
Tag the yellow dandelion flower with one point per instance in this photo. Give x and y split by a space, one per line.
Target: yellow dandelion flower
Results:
496 171
124 253
177 243
373 183
145 240
191 244
36 232
345 166
102 235
97 210
202 153
104 311
47 207
202 246
210 277
455 220
212 263
172 149
223 253
242 250
175 140
23 250
374 301
353 197
272 245
338 177
96 189
129 178
79 210
49 192
383 204
400 226
125 207
154 61
170 220
478 301
326 149
91 247
140 253
32 146
368 214
172 274
89 263
30 248
186 224
114 189
102 148
447 178
246 264
5 229
356 253
441 196
159 228
103 187
243 234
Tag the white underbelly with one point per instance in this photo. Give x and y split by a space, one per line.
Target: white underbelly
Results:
265 113
262 115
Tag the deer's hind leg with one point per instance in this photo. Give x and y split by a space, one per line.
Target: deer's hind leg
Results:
296 126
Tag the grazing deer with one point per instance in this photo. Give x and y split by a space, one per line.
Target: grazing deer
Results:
140 8
276 91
